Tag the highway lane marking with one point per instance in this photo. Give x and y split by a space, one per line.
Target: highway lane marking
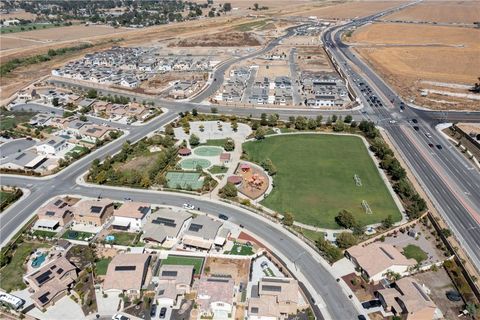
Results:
475 215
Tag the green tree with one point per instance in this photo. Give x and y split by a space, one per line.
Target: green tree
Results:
263 119
348 119
346 240
446 232
55 102
83 118
214 110
194 112
169 130
287 219
260 134
339 126
319 121
345 219
194 140
234 126
312 124
388 222
92 94
330 252
228 191
229 145
227 6
272 120
334 118
301 123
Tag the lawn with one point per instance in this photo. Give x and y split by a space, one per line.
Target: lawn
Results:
12 273
10 119
79 150
315 178
310 234
123 238
241 250
414 252
215 142
7 198
101 266
77 235
185 261
218 169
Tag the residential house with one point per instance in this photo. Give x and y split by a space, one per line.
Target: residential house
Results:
51 282
215 297
57 213
24 160
39 119
52 146
127 273
165 226
93 132
130 216
408 299
283 82
275 298
174 282
201 233
93 212
377 259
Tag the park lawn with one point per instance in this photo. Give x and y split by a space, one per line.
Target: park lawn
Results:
101 266
414 252
310 234
185 261
217 169
314 179
215 142
241 250
12 273
123 238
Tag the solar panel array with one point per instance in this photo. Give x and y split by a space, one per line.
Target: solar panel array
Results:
58 202
169 273
44 297
49 213
44 277
125 268
165 221
95 209
195 227
144 210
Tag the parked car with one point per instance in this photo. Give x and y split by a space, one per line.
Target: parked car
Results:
223 217
264 265
371 304
439 147
416 128
163 312
153 310
430 145
414 120
453 295
188 206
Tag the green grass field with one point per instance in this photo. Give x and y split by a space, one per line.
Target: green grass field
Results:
314 179
101 266
414 252
185 261
123 238
241 250
217 169
215 142
12 273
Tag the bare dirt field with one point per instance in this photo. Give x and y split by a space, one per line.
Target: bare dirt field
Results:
230 39
313 59
414 53
52 35
440 11
237 269
348 10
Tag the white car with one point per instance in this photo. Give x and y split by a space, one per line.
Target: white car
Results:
188 206
392 121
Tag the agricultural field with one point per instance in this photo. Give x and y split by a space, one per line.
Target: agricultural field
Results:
408 55
347 10
458 12
315 178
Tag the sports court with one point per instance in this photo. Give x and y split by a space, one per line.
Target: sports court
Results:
184 180
208 151
192 163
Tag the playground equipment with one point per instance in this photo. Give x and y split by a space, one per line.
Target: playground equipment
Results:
358 181
255 181
366 207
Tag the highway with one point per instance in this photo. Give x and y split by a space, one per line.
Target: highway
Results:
450 180
452 185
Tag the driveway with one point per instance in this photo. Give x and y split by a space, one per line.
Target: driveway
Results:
107 306
65 309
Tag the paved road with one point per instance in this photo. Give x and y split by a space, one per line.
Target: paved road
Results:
10 147
451 181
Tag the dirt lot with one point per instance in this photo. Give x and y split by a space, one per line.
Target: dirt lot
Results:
313 59
440 11
348 10
160 81
20 14
222 39
406 55
439 283
47 36
237 269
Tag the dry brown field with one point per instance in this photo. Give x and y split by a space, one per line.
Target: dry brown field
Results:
347 10
406 54
20 14
440 11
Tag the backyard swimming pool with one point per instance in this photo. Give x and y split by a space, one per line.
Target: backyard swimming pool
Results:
39 260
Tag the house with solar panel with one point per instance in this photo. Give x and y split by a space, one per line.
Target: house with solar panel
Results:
53 216
165 227
202 233
130 216
51 282
93 212
127 273
174 281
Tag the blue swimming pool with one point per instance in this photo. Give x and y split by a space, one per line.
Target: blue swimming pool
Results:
39 260
110 238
